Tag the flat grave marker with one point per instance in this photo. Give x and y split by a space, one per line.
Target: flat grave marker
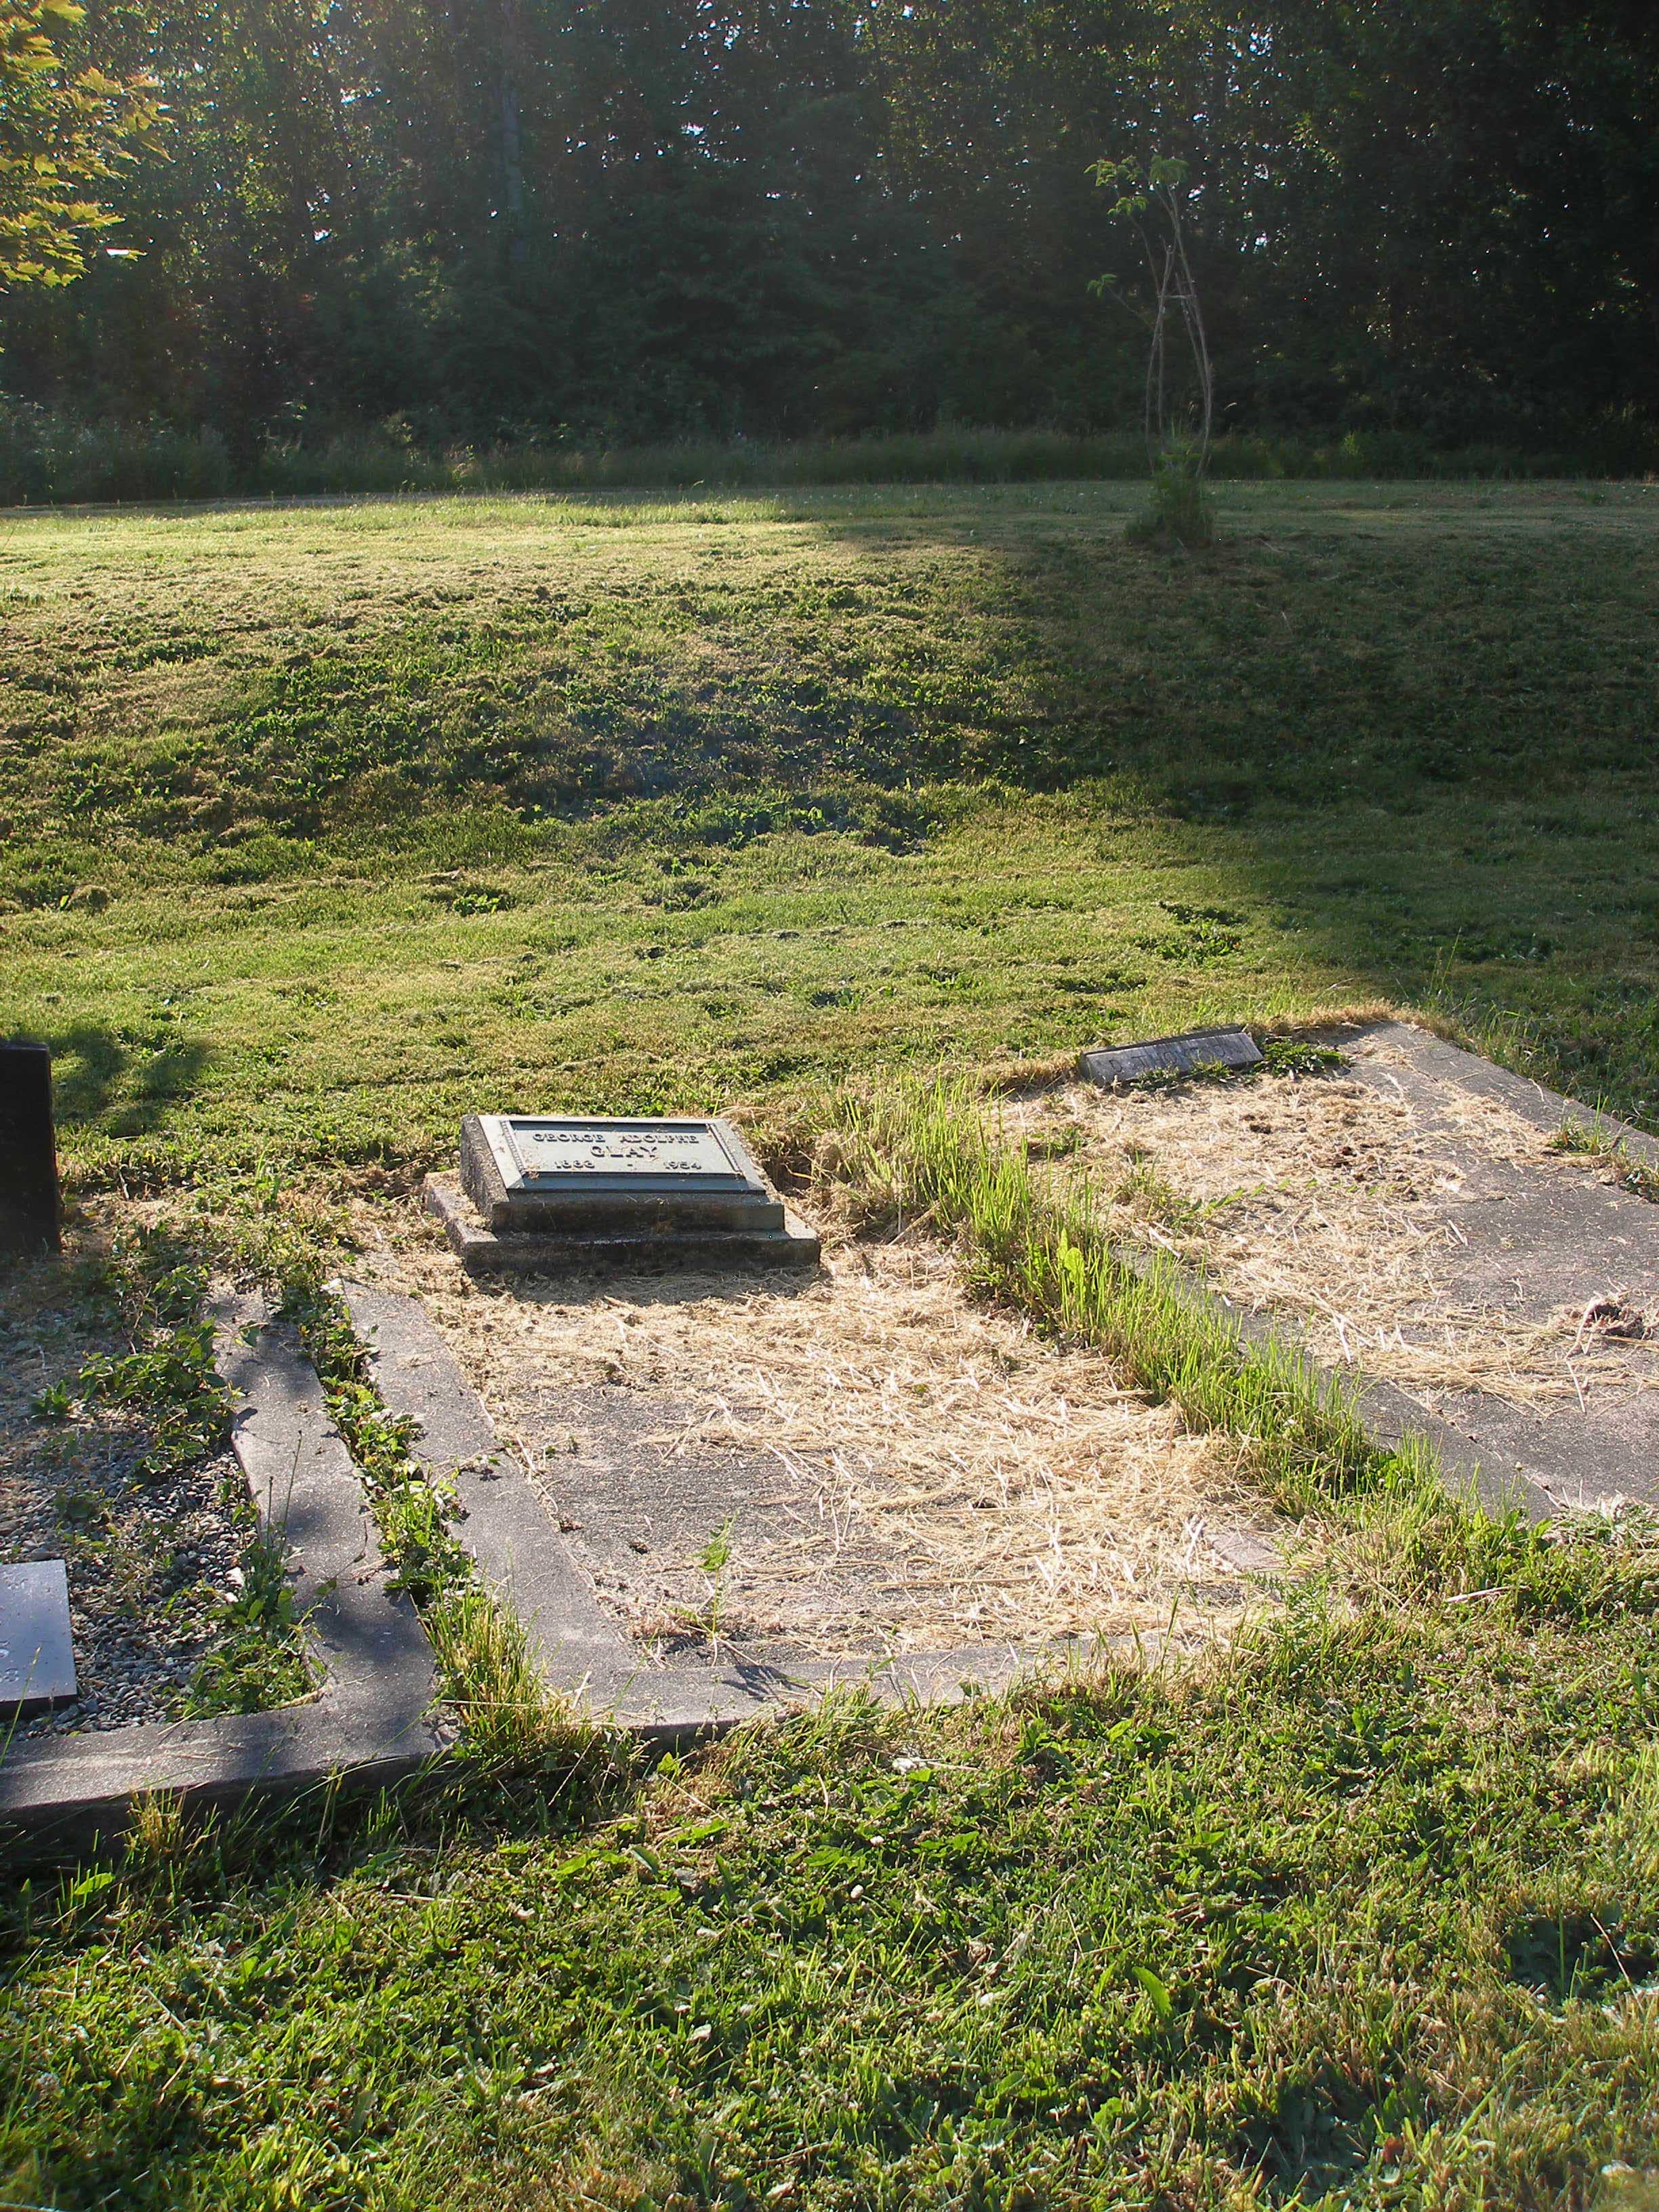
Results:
544 1163
541 1192
37 1656
1171 1055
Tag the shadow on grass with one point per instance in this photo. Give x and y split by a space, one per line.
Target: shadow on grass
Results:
101 1075
1318 2136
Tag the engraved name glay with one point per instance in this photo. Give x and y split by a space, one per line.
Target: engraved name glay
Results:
579 1152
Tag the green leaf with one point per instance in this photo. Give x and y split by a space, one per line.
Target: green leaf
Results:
1163 2004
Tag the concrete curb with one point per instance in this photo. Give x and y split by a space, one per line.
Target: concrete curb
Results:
1545 1108
369 1723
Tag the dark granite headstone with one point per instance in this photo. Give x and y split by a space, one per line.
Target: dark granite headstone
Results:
37 1659
1172 1055
28 1154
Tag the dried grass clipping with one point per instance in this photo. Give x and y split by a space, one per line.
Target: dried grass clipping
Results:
1014 1490
1334 1203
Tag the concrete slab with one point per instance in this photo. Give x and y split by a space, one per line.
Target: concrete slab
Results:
582 1649
37 1652
555 1251
369 1723
1532 1246
505 1526
1529 1245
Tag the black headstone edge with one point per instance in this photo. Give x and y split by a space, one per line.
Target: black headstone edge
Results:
31 1205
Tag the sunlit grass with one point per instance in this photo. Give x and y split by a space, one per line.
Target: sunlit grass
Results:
324 825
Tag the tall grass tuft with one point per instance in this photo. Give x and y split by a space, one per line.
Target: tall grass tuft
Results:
508 1717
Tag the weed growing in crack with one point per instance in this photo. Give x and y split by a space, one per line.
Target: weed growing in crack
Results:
507 1716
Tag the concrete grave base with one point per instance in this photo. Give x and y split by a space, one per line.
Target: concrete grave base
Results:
1541 1241
582 1649
1533 1246
369 1723
485 1251
1528 1244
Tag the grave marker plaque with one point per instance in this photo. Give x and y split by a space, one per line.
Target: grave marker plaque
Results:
37 1657
1171 1055
544 1190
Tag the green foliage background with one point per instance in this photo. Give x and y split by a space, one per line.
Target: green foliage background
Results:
546 220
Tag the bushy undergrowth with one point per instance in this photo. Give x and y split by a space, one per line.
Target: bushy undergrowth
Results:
53 459
1179 512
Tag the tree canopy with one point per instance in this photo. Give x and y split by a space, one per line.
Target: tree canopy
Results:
66 132
642 217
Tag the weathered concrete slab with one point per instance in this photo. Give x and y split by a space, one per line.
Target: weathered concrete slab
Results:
1170 1055
369 1722
781 1239
37 1651
1528 1244
1531 1246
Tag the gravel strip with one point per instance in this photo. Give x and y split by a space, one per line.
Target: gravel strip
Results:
151 1562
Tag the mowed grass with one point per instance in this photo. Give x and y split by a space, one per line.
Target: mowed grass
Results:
1363 1919
324 824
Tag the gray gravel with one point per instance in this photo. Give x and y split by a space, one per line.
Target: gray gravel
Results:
151 1562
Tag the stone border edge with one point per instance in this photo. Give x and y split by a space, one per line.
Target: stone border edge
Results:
369 1723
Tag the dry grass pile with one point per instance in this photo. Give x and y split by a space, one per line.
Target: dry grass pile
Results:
1005 1488
1327 1199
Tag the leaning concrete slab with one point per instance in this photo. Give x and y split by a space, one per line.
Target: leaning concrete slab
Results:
1170 1055
369 1723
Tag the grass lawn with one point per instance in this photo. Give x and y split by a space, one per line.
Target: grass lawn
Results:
323 823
